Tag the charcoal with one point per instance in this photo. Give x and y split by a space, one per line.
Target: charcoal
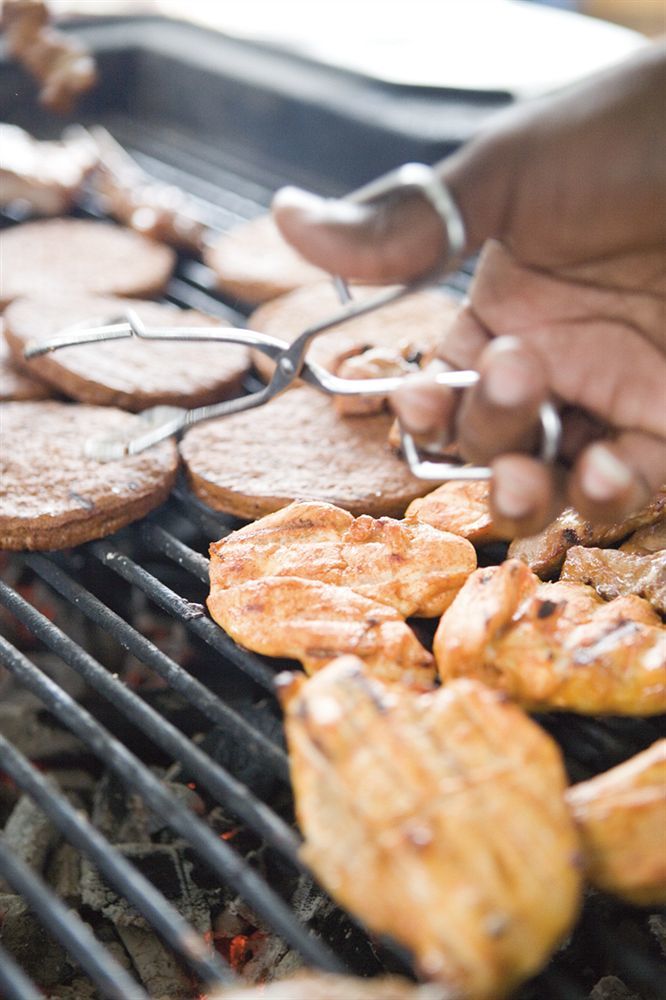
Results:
161 975
23 935
64 874
29 834
612 988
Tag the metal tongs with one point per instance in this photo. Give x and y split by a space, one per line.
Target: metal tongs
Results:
291 364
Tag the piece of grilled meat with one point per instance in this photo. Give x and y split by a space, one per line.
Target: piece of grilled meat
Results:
411 567
554 645
63 66
621 817
323 986
316 622
613 573
544 553
460 507
436 819
647 540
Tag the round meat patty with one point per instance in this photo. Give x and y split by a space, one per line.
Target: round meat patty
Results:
297 447
419 320
52 496
253 262
15 383
48 256
133 374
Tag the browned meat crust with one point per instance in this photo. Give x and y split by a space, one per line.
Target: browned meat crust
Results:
52 496
411 567
554 645
323 986
545 553
77 256
45 175
316 622
16 384
621 817
256 462
456 795
460 507
61 64
414 324
133 374
613 573
254 263
651 538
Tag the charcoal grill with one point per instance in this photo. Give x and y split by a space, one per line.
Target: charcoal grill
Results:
184 88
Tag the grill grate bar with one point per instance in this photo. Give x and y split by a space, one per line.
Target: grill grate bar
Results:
14 984
70 930
177 551
225 788
128 881
178 679
174 605
215 853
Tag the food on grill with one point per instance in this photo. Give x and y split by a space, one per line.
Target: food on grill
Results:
376 362
17 384
436 819
621 817
62 65
460 507
324 986
414 324
46 176
316 622
411 567
554 645
254 263
651 538
132 374
613 573
75 256
296 447
161 211
544 553
52 496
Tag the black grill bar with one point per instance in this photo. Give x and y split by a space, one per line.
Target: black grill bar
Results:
176 606
124 877
176 550
14 984
222 785
106 973
178 679
213 851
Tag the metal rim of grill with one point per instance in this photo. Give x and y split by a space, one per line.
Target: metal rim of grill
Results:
585 742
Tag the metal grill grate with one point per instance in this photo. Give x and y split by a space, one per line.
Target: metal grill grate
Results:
149 558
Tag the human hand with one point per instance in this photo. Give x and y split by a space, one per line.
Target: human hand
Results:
569 192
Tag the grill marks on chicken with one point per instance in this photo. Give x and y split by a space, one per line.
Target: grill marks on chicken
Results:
317 622
455 794
460 507
621 816
544 553
613 573
408 566
554 645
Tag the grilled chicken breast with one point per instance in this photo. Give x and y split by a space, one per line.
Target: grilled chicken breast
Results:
321 986
554 645
409 566
316 622
545 552
621 817
437 819
460 507
613 573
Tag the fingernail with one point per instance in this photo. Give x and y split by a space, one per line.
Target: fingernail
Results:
296 198
604 475
510 500
509 381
